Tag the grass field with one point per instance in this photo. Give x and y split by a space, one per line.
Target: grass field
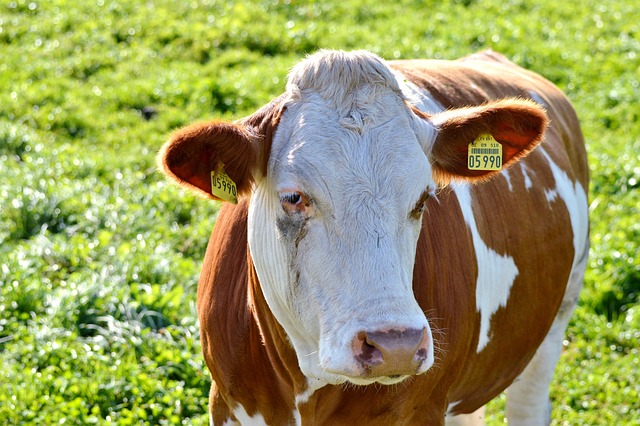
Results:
99 256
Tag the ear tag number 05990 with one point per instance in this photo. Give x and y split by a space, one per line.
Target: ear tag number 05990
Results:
485 153
222 186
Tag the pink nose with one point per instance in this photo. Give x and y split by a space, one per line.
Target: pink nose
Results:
391 352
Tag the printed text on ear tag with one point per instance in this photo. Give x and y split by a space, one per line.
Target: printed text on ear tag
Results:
222 186
485 153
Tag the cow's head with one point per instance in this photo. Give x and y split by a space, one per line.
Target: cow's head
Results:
338 170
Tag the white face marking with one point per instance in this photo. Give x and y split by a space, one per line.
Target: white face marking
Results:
340 260
496 273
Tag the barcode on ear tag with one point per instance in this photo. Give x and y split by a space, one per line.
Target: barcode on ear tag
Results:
485 153
222 186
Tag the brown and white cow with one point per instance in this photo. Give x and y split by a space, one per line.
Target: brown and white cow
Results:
365 252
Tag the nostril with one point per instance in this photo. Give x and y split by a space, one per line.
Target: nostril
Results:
370 354
421 354
365 352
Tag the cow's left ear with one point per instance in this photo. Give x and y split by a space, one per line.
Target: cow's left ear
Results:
517 124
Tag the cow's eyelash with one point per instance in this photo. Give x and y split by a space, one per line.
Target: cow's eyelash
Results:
291 198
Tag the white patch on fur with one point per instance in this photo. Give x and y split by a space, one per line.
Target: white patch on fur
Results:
419 98
551 195
527 179
297 418
473 419
303 398
348 140
496 273
452 407
528 396
537 98
575 198
245 419
505 174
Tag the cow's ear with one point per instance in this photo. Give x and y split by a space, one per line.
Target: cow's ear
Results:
193 152
518 125
239 149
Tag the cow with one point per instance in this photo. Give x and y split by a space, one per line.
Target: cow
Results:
399 242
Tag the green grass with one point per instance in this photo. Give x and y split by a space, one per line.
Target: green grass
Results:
99 256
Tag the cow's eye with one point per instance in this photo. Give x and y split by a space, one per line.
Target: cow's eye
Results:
292 198
294 202
417 211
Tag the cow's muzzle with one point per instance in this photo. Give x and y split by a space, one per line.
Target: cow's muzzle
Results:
392 352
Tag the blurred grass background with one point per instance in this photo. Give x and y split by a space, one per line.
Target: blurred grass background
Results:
99 256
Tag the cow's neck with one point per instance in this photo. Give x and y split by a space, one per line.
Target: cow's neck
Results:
278 349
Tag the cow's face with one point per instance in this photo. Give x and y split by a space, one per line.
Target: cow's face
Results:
334 225
335 215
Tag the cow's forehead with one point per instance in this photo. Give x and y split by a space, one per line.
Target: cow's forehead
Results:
383 158
347 129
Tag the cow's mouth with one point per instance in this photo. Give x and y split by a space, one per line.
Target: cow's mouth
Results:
383 380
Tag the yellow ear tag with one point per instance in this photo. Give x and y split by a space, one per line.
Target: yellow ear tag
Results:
485 153
222 186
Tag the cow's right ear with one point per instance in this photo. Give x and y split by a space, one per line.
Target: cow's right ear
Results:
193 152
240 149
